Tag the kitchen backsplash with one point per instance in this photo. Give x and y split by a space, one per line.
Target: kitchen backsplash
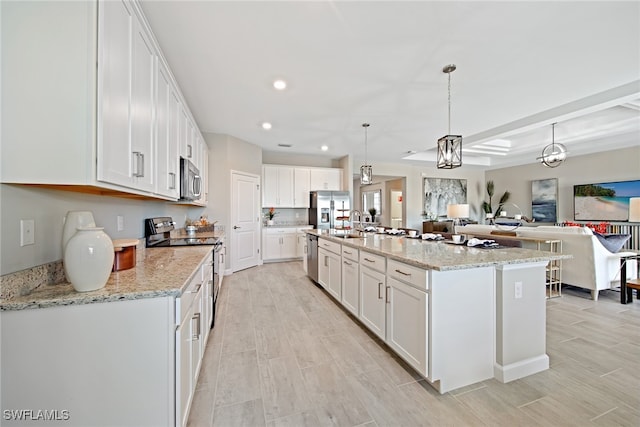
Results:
288 216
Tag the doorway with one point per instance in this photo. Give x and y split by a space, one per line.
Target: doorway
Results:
245 220
395 204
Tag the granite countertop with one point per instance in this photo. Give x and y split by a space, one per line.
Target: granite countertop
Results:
439 255
159 272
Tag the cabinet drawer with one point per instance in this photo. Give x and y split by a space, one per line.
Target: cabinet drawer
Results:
186 299
330 246
350 253
408 274
376 262
272 231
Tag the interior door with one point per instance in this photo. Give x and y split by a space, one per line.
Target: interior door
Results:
245 221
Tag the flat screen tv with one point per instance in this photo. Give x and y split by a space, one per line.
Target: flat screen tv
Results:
605 201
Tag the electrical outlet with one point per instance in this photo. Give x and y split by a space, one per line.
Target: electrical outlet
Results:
518 290
120 222
27 231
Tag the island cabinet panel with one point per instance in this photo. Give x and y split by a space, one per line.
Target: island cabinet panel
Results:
407 322
462 308
351 285
330 267
372 300
107 364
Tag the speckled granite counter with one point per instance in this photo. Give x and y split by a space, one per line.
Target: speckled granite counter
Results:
159 272
439 255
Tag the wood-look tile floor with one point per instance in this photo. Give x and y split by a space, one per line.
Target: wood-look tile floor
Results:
283 353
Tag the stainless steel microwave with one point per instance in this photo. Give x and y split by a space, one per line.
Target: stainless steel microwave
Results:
190 181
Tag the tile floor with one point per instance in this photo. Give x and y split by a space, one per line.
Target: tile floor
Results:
283 353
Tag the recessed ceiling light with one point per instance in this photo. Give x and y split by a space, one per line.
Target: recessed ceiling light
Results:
266 125
324 148
280 84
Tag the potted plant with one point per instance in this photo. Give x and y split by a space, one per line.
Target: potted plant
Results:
373 212
487 206
270 214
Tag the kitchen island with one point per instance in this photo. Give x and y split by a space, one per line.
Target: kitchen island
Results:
126 354
457 314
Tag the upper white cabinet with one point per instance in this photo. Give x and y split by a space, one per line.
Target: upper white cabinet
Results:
277 186
289 186
167 109
301 187
113 126
326 179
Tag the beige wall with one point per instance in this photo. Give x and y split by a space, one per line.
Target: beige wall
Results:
48 208
618 165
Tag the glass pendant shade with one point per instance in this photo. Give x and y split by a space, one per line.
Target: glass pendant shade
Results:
450 152
366 175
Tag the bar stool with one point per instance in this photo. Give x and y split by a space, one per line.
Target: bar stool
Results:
634 284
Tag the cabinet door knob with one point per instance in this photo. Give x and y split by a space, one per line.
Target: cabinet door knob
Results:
235 227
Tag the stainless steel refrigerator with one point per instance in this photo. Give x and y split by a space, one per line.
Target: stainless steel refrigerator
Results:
330 209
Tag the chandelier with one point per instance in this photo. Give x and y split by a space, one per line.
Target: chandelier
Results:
366 171
553 154
449 146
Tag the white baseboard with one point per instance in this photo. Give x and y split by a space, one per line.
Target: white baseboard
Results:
521 369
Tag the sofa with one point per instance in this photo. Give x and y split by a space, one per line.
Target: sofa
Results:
592 267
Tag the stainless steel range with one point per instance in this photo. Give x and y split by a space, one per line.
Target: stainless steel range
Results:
158 234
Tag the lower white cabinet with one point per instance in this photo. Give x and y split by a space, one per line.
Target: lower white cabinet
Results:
372 300
301 241
407 323
191 333
107 364
329 272
279 243
350 280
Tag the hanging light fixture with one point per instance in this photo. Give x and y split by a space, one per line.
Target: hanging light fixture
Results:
366 171
553 154
449 146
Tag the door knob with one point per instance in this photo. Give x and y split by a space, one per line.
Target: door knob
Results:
235 227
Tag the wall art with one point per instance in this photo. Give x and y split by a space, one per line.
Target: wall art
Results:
606 201
544 200
437 193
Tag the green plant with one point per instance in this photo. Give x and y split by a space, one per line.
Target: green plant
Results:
487 207
271 213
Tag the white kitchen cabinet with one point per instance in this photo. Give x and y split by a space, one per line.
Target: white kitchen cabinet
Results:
96 106
407 331
167 109
126 161
372 300
203 159
301 241
279 243
326 179
301 187
350 280
277 186
330 272
96 361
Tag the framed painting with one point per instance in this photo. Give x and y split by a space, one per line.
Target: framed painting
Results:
544 200
437 193
605 201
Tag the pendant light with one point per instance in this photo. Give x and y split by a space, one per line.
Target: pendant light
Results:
553 154
449 146
366 171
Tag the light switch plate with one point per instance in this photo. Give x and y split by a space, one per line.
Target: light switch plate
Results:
27 232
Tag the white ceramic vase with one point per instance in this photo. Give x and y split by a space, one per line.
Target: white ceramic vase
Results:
88 259
270 222
72 221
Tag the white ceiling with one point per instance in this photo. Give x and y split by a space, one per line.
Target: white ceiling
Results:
520 67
